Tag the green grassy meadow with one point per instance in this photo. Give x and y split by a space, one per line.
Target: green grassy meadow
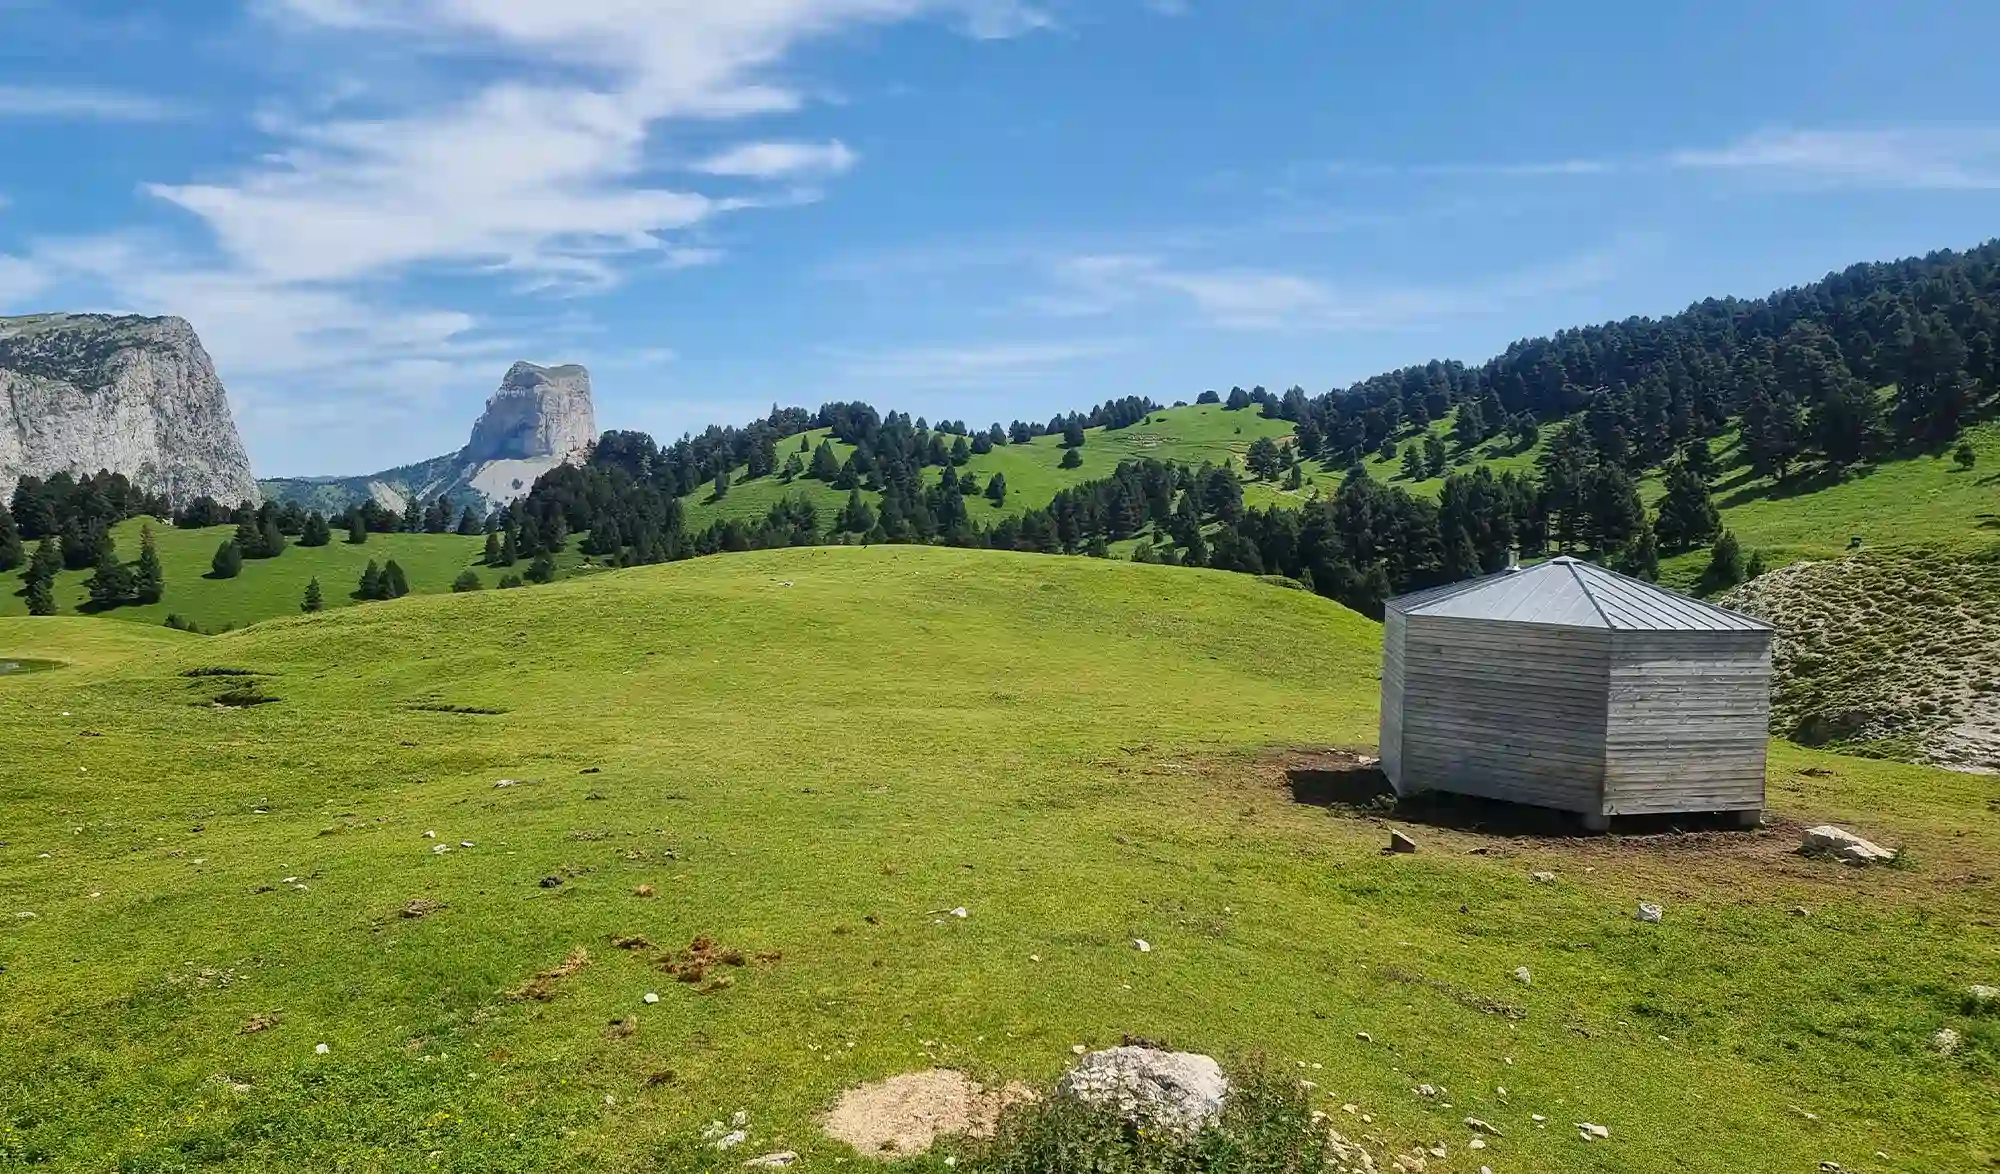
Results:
811 755
267 587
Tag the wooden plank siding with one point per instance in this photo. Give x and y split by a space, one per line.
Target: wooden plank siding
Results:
1688 718
1391 741
1498 709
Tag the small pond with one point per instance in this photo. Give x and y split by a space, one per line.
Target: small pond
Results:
14 665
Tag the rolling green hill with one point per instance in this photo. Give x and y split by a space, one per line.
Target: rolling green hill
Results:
811 755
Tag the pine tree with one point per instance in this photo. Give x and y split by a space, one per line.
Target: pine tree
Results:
357 528
249 538
110 584
1436 458
371 582
1755 567
468 522
1071 459
1686 515
12 553
314 600
542 570
1264 460
825 463
394 584
492 556
468 580
509 553
150 584
315 532
856 517
721 484
271 539
1470 426
1963 456
1725 564
1641 557
1072 433
228 560
960 451
41 596
996 489
1461 561
47 559
1414 465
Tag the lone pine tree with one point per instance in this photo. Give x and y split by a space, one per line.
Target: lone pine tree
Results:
149 585
314 600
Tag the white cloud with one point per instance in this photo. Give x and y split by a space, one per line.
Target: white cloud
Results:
777 160
1961 158
63 103
20 281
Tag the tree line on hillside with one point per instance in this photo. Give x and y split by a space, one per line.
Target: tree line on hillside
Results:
1796 373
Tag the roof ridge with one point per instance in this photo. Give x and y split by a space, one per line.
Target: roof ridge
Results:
1583 585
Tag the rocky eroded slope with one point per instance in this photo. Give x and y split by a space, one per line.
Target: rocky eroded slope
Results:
1892 653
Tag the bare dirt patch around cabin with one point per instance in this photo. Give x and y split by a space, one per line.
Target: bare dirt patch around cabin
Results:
906 1114
1681 855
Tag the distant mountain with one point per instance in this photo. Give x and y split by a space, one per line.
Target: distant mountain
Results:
539 418
138 396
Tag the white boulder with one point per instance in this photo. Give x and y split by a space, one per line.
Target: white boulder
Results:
1844 846
1182 1091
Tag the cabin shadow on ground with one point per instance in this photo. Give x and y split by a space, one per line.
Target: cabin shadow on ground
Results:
1365 790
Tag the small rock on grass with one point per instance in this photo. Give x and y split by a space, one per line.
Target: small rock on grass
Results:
1142 945
1946 1041
1398 842
321 1049
780 1158
1649 912
1524 976
1984 998
1542 878
650 997
1592 1132
732 1139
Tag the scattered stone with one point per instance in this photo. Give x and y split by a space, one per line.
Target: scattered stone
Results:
430 835
732 1139
1844 846
650 998
1078 1049
551 882
1425 1090
1438 1151
1593 1132
1142 945
440 849
262 1021
1364 1037
1799 911
1398 842
1477 1143
419 907
1478 1126
321 1049
780 1158
25 915
643 891
465 843
506 783
1542 878
1524 976
1180 1091
905 1114
1983 997
739 1119
1649 912
1946 1041
960 912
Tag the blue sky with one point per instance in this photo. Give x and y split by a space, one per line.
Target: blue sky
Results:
985 209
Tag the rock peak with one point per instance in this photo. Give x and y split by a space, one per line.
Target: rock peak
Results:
537 413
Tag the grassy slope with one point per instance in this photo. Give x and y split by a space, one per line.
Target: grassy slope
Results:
810 752
267 587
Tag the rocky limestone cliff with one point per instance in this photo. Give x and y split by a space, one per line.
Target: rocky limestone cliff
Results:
538 413
138 396
539 418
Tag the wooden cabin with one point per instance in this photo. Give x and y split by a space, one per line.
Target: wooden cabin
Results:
1566 685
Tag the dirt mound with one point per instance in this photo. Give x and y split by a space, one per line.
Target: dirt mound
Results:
1894 654
905 1114
543 986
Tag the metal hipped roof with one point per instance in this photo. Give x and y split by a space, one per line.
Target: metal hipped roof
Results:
1575 594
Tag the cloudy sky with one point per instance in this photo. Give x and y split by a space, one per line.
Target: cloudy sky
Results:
968 208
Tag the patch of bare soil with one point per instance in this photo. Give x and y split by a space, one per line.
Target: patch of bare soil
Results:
905 1114
543 986
1680 856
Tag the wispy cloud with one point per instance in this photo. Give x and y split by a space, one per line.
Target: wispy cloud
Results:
780 160
84 105
1960 158
21 281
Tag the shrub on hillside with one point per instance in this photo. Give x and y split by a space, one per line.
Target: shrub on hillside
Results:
228 561
468 580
